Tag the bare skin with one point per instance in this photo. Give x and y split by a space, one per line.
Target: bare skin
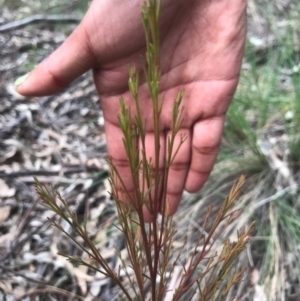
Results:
202 44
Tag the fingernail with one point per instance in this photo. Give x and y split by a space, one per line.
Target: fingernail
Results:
21 79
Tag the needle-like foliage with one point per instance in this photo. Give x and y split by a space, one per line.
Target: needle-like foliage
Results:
149 246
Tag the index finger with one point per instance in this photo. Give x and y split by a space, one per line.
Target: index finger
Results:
123 183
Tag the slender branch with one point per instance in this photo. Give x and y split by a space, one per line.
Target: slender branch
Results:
38 19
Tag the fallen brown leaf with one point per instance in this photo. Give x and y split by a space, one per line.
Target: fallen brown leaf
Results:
4 213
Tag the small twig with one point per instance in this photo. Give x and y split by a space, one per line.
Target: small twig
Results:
13 272
48 289
31 173
38 19
274 197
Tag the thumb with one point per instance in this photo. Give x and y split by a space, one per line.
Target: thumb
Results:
73 58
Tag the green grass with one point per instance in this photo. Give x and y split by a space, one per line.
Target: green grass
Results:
264 119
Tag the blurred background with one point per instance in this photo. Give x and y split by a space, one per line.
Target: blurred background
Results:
61 140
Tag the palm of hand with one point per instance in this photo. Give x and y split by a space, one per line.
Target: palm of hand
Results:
201 48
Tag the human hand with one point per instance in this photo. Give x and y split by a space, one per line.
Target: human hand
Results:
202 43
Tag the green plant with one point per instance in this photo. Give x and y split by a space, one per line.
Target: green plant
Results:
149 246
261 141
